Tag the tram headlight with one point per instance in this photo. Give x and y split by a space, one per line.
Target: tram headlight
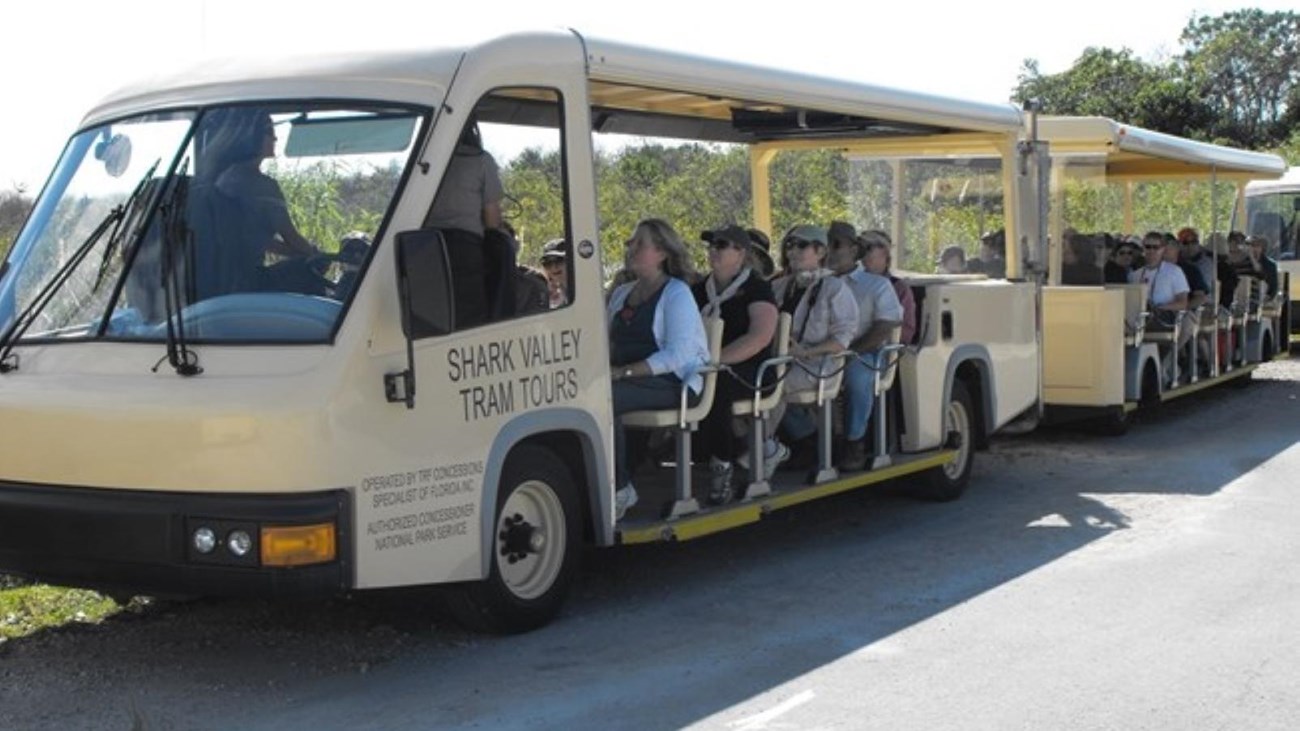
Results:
204 540
239 543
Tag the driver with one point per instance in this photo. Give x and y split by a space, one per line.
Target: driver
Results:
242 211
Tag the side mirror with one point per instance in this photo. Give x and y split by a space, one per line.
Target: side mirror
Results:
424 284
115 153
424 291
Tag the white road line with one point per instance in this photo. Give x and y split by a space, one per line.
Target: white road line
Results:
759 720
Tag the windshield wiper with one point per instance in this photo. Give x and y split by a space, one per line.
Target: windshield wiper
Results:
25 319
175 233
125 229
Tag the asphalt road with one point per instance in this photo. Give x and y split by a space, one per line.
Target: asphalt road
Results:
1083 582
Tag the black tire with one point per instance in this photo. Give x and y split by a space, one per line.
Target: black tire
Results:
948 482
536 497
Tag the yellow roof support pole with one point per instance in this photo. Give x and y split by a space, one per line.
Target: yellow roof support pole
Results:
1238 209
1011 203
1056 225
760 187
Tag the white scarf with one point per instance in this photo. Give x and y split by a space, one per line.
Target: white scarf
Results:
713 308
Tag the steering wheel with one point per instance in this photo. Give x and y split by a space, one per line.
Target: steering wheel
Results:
322 274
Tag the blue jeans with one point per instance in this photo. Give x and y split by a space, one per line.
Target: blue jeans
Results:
859 394
650 393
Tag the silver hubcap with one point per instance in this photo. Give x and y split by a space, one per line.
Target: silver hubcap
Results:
530 539
955 419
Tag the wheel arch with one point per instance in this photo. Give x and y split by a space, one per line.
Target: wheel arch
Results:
972 365
572 435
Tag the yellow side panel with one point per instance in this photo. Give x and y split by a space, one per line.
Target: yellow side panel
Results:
1083 346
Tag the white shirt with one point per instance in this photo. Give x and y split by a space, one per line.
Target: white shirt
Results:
1163 284
877 300
833 313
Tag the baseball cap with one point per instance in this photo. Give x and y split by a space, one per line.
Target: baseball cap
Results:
806 232
554 249
731 233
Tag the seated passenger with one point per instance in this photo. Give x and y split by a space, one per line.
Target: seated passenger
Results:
555 263
879 312
1261 264
1120 263
1079 261
656 337
824 321
878 260
952 261
1198 290
992 259
239 213
1165 287
1194 254
742 298
760 253
1198 293
1225 272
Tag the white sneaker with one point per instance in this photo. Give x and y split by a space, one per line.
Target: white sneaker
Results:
774 453
769 449
772 461
624 498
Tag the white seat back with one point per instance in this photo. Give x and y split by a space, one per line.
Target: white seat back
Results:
685 414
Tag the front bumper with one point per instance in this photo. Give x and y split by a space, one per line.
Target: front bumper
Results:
133 541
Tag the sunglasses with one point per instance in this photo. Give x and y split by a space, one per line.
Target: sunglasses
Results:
723 245
798 243
1153 247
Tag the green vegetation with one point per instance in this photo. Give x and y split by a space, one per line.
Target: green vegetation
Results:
1236 82
28 608
328 202
14 205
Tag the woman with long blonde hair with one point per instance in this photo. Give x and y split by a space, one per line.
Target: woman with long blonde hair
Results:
656 337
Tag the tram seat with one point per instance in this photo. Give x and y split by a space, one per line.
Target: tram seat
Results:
1167 329
1272 304
1241 315
1247 297
683 420
1205 319
890 353
760 406
823 398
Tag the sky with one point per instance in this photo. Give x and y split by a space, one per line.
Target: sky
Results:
60 57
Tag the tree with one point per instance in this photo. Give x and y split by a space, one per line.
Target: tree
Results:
1246 65
1290 150
14 206
1237 81
1119 85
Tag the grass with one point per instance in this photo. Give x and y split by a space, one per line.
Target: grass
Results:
27 608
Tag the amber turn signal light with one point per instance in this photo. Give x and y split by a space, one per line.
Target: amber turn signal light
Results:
298 545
